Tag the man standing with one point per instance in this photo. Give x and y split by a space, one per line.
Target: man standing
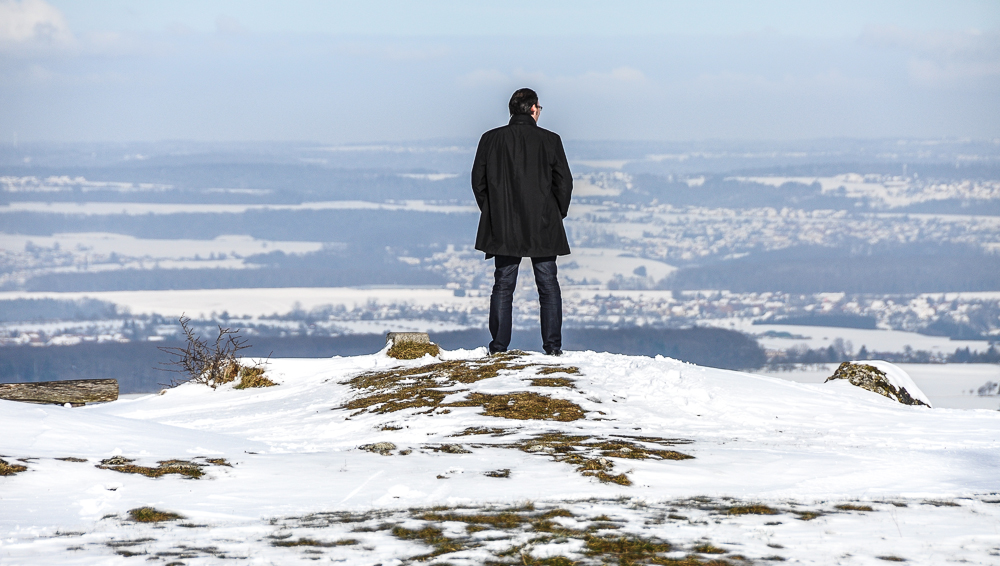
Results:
523 185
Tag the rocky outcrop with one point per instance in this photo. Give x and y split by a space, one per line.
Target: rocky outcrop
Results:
875 380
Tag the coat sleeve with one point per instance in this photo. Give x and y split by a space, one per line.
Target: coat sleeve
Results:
479 174
562 179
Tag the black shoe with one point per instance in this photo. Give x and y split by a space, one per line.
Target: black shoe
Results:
556 352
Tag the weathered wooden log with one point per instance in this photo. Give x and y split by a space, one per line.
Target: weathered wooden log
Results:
74 391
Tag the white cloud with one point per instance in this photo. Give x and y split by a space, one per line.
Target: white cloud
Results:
939 43
730 84
942 58
621 74
931 72
228 25
590 78
394 51
33 23
481 77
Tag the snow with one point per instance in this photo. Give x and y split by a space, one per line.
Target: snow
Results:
583 187
602 163
294 454
816 337
254 302
601 265
105 243
429 176
893 191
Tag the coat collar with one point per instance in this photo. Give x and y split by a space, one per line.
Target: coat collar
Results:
524 119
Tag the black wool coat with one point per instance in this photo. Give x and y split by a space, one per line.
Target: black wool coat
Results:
522 184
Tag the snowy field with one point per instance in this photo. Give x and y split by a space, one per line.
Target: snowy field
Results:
801 472
816 337
893 191
104 244
584 305
256 302
601 265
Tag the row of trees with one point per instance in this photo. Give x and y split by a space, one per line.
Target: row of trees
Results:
830 354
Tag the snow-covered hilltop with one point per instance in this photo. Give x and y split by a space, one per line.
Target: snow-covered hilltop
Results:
518 459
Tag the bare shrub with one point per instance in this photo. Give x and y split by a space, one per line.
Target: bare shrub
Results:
215 363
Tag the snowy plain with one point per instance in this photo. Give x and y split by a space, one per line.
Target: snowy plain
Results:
914 483
815 337
105 243
265 302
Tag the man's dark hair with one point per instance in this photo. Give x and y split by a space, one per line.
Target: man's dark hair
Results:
522 100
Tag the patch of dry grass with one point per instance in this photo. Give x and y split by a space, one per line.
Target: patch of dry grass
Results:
633 451
523 406
8 469
751 510
422 388
434 537
549 370
620 479
253 377
427 386
526 559
313 542
553 382
626 550
654 439
151 515
591 456
502 520
526 527
407 350
852 507
709 548
472 430
411 388
180 467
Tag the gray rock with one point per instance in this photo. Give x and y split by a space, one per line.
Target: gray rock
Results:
383 448
453 449
873 379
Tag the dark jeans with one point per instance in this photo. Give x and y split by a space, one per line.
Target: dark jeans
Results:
549 301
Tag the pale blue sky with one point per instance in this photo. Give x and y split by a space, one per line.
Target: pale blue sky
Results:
539 18
346 72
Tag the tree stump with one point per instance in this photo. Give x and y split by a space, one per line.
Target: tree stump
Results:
402 337
77 392
410 345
